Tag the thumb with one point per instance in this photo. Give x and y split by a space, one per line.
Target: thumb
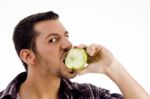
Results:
82 71
91 68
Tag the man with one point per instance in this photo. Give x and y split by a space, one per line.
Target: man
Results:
41 42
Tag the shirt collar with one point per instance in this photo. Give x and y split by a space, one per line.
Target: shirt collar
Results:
12 89
68 85
69 89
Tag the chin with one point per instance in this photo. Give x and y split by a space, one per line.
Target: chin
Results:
69 75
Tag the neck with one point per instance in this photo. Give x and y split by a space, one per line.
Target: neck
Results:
40 86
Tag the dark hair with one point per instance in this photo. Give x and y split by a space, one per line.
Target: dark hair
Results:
24 35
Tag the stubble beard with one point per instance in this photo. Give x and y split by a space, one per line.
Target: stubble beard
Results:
68 75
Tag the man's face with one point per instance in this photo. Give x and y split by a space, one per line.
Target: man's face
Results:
52 45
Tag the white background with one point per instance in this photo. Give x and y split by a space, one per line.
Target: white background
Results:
123 26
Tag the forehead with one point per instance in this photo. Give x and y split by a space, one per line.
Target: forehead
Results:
49 26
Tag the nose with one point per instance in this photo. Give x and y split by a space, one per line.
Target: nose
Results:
66 45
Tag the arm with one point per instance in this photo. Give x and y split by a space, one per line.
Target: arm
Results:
128 86
101 60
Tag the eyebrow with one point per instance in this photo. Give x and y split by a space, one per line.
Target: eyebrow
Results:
55 34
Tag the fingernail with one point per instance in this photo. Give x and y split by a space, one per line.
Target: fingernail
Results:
91 53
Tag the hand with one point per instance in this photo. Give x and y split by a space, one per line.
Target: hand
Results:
99 59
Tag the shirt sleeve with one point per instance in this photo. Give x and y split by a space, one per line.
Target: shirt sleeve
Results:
89 90
105 94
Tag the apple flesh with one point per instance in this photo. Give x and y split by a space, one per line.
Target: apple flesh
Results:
76 58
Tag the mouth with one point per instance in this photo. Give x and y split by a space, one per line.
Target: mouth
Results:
70 70
64 57
64 60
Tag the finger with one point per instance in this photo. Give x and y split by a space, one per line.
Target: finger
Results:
91 49
82 46
75 46
95 68
82 71
91 68
94 49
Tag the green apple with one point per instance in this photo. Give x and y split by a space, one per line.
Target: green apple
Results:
76 58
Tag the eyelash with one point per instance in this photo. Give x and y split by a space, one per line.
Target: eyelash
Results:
67 36
53 40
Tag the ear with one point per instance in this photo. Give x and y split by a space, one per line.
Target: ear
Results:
27 56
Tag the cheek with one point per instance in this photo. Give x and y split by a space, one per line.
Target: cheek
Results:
49 54
50 58
45 52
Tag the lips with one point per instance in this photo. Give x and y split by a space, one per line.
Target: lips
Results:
64 57
70 71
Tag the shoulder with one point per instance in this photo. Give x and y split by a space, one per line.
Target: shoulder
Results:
89 90
1 92
13 87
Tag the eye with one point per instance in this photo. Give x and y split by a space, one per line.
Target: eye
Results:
67 36
53 40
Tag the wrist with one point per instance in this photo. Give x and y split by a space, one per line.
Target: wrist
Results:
113 70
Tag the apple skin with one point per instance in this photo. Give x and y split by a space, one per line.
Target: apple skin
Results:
76 58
